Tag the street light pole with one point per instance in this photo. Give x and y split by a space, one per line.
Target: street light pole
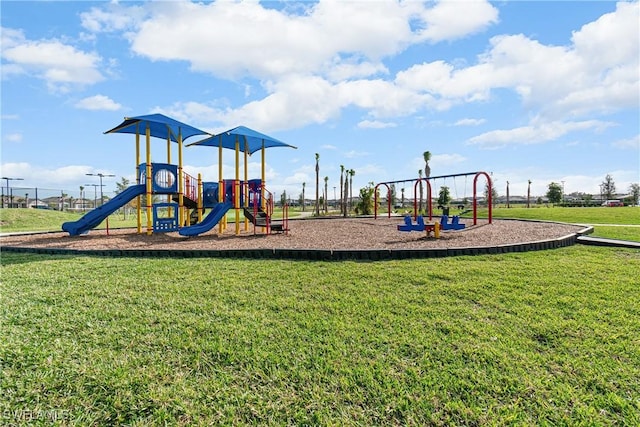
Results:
101 175
7 179
95 194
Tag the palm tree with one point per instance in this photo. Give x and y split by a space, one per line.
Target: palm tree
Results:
82 196
427 158
317 184
351 173
326 194
508 195
341 188
346 192
303 185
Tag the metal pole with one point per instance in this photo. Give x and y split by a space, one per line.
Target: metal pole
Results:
100 175
7 179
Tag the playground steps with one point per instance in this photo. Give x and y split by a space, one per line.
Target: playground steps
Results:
188 203
261 218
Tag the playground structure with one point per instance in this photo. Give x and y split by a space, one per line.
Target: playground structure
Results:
188 197
429 197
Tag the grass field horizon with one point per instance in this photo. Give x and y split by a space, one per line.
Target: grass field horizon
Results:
616 223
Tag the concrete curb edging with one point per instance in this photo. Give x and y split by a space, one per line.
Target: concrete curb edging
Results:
600 241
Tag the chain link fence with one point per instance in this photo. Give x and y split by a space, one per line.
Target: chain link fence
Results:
51 198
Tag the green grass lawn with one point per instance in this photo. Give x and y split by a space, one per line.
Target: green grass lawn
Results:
591 216
621 233
545 337
627 218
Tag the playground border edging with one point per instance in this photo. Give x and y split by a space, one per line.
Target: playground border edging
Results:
310 254
338 254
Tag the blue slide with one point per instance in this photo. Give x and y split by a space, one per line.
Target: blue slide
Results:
208 222
93 218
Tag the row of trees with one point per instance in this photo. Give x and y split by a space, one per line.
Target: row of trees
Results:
555 192
346 190
365 203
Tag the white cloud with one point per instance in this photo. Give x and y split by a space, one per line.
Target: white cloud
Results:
469 122
113 18
15 137
60 65
98 102
353 154
314 60
375 124
632 143
606 42
210 171
535 133
449 20
369 170
447 159
341 39
597 73
34 175
345 71
297 178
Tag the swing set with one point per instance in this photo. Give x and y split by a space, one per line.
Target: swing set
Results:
427 181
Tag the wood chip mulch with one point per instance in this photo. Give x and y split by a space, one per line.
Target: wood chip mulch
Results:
332 234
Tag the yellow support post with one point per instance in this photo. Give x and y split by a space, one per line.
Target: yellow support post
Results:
181 220
169 210
436 230
222 225
236 186
200 197
246 182
138 198
149 183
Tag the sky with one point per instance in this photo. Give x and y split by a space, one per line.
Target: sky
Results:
546 91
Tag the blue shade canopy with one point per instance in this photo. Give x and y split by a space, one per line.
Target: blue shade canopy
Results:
247 138
160 126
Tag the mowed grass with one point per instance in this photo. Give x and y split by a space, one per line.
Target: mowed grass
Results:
547 337
616 232
626 218
599 215
15 220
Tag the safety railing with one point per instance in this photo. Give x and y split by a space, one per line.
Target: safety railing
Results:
190 186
